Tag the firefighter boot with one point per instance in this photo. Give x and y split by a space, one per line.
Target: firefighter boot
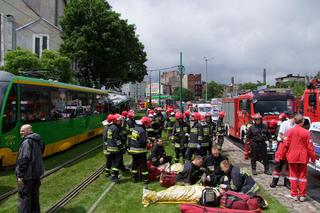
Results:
135 178
107 172
115 176
145 178
274 182
287 183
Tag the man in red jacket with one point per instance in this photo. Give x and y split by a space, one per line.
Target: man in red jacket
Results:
299 150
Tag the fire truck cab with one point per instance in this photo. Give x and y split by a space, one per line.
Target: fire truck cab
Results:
268 103
311 105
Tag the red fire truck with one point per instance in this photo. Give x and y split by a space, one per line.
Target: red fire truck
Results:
310 103
269 103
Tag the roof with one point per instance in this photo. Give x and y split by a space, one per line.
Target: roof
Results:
290 76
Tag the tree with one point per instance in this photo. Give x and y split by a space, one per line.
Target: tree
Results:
297 87
20 60
103 45
248 86
215 90
187 94
59 67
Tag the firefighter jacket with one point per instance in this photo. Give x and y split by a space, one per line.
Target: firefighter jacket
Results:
206 135
114 145
171 120
187 120
240 181
180 129
131 124
299 145
105 138
157 152
220 128
160 118
212 128
138 140
258 133
196 136
190 174
212 165
153 130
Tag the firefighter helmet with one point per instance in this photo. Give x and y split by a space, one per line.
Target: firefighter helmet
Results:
179 115
169 111
117 117
196 116
282 116
257 116
202 118
151 113
187 113
124 114
131 115
208 114
145 121
221 114
109 118
273 124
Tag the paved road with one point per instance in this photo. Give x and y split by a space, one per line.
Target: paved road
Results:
313 177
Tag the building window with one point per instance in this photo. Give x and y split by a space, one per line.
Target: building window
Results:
40 43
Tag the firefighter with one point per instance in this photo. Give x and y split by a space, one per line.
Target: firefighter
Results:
247 143
196 137
238 179
160 118
138 150
192 172
280 160
187 117
213 172
220 130
106 124
258 134
158 154
212 127
206 137
153 129
180 135
300 149
171 120
115 147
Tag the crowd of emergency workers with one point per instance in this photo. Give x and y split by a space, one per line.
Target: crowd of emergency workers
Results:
198 142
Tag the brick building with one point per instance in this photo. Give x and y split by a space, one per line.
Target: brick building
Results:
193 82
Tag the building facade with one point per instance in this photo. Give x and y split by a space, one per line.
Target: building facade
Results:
30 24
169 80
290 77
193 82
135 91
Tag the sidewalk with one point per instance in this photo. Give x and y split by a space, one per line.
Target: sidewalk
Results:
236 155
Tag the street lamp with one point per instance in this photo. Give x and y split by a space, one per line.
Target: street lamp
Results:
206 59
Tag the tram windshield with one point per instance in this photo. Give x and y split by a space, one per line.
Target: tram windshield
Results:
3 89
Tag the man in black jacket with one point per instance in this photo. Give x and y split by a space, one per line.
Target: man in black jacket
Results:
29 169
213 173
237 179
191 172
158 154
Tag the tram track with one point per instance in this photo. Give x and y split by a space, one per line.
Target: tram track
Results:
52 171
63 201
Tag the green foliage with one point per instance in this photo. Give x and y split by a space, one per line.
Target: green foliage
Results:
59 67
54 65
20 60
248 86
215 90
104 46
297 87
187 94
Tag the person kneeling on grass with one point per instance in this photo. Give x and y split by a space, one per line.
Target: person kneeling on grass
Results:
158 154
237 179
192 172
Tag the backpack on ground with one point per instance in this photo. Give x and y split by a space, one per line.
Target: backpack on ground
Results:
192 208
208 198
237 200
167 179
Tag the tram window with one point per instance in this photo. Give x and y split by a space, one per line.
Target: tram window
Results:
34 104
85 104
98 104
10 111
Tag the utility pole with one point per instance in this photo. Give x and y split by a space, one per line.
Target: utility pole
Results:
206 60
181 68
159 89
150 89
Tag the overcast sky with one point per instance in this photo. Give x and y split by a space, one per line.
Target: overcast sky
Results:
243 36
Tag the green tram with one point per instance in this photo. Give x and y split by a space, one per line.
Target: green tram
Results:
63 114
